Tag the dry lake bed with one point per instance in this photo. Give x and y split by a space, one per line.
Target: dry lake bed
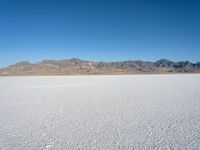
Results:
100 112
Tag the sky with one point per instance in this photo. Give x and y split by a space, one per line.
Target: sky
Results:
101 30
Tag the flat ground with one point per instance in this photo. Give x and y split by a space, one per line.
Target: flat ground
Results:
100 112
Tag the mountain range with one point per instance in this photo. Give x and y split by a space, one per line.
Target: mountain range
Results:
76 66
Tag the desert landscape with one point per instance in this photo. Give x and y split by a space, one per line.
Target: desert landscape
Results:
77 66
100 75
100 112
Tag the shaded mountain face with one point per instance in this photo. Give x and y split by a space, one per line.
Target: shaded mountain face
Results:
77 66
164 63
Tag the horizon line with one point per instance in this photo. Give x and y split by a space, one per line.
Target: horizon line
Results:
109 61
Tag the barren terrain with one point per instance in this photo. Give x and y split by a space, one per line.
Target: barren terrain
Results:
100 112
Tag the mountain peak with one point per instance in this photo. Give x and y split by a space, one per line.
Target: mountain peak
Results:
75 59
23 63
164 63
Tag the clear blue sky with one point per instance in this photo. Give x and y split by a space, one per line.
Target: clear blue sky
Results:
99 30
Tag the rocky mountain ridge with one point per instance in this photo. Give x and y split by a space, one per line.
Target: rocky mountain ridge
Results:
78 66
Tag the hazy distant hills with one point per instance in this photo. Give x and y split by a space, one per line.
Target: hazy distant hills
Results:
77 66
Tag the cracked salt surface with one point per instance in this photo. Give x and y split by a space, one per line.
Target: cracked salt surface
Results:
100 112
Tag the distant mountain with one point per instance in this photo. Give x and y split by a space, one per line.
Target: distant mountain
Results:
76 66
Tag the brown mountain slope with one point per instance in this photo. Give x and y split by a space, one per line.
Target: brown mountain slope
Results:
77 66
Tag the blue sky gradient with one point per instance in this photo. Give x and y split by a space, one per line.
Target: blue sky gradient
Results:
101 30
